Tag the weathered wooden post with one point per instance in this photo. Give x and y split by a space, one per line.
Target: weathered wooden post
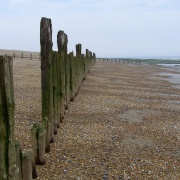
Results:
14 55
94 58
83 67
76 76
58 88
21 54
87 61
62 51
8 167
66 73
60 43
90 59
78 57
29 153
38 135
72 76
55 89
67 80
26 166
46 79
30 56
18 158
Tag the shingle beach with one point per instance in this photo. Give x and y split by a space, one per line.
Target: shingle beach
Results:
123 124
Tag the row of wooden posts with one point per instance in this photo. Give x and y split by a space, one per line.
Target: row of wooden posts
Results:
22 55
122 61
61 77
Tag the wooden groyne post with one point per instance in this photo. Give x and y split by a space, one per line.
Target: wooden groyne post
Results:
46 79
8 168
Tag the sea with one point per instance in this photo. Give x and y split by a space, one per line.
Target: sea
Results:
173 77
157 57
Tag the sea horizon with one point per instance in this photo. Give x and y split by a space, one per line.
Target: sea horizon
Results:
144 57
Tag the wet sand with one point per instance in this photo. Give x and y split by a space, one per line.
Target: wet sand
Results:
124 123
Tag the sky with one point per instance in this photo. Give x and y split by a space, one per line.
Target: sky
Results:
109 28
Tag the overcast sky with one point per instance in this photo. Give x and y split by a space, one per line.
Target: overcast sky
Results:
110 28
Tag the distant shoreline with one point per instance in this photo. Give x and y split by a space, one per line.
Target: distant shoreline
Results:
145 61
10 51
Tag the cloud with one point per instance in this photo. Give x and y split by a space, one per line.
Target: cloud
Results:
107 27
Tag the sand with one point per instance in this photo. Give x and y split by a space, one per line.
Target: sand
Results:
123 124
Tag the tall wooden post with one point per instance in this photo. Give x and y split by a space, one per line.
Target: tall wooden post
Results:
67 80
71 62
78 61
58 89
66 63
46 78
62 51
94 58
87 62
55 89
